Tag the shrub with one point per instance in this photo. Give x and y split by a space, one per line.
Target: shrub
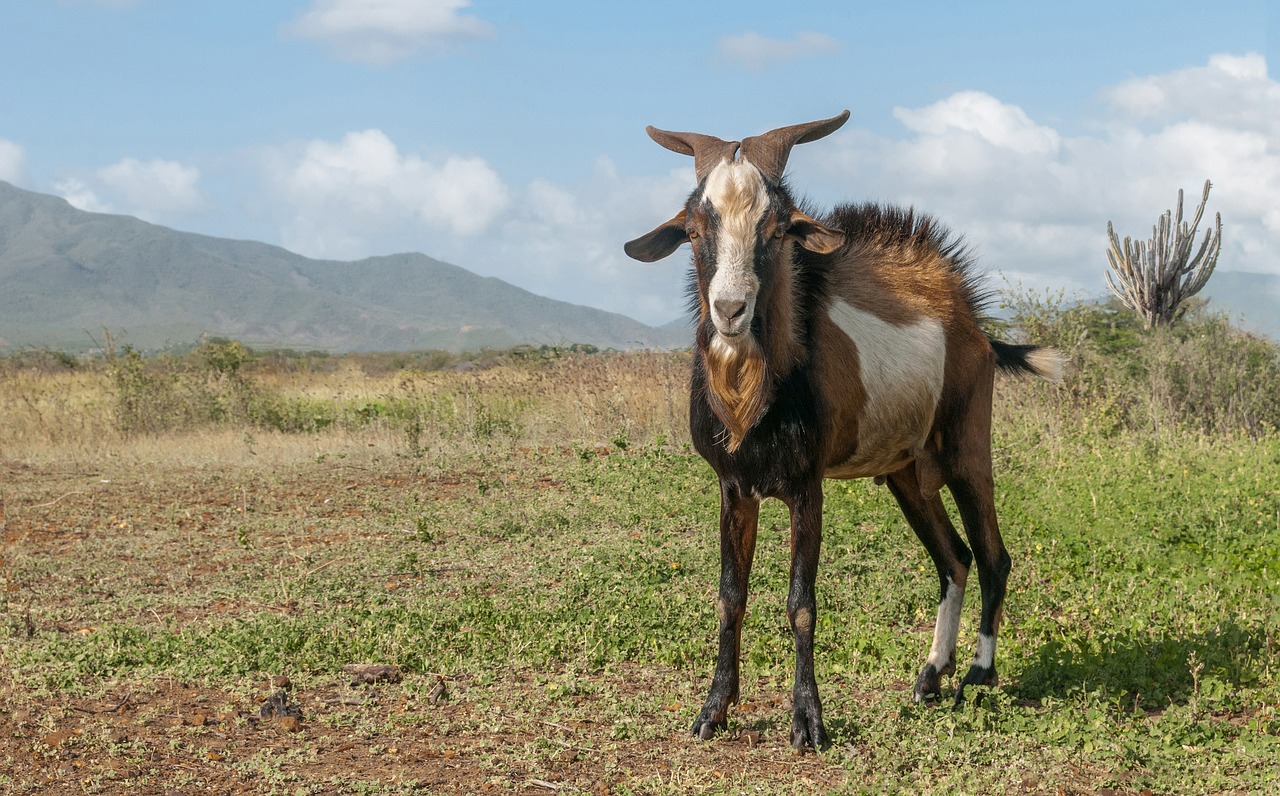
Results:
1201 375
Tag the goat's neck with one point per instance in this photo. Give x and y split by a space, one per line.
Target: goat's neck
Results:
781 333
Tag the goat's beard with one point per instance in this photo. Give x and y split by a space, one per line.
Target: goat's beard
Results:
737 385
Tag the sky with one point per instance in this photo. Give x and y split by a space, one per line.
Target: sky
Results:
507 137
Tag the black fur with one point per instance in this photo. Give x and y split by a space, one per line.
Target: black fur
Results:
781 455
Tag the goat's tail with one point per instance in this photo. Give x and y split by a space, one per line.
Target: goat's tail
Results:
1046 363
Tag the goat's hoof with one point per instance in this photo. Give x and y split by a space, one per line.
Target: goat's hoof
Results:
807 729
978 675
928 684
706 725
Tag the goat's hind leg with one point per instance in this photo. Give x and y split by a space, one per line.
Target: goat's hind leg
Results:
928 518
975 498
967 472
739 518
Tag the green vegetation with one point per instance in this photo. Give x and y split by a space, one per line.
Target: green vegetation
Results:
532 542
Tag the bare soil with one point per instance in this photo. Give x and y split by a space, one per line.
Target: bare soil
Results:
317 732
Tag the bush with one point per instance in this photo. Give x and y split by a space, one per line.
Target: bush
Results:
167 393
1201 375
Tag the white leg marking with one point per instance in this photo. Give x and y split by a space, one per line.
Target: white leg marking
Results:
948 626
985 657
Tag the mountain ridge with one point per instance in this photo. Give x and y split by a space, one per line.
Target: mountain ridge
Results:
66 273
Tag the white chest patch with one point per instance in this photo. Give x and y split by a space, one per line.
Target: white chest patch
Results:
901 369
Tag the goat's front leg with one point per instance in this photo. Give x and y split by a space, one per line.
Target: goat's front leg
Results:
739 516
802 612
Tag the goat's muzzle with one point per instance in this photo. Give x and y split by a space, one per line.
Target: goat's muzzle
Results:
732 316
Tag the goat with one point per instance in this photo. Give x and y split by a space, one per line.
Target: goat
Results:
848 346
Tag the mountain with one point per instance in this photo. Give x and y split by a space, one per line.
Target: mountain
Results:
66 274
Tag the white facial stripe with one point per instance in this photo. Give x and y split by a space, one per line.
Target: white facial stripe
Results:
901 368
736 191
948 626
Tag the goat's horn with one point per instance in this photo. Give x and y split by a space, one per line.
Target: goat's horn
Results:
769 152
707 150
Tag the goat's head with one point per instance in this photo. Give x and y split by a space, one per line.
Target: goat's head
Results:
741 221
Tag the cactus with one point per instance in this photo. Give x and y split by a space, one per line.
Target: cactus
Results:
1155 278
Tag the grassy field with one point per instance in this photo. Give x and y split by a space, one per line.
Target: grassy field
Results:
193 555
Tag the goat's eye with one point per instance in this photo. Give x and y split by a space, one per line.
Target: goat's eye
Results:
779 232
693 233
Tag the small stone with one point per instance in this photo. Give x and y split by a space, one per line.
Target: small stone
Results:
290 724
281 681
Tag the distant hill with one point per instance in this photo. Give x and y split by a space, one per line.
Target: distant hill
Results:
66 274
1252 300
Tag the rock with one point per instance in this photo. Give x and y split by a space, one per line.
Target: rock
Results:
278 706
362 673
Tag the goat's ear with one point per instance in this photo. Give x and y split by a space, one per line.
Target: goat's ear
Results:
813 236
659 243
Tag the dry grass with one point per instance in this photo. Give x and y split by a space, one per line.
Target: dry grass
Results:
576 400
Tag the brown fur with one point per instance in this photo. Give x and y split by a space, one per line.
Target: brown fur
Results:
738 387
845 407
837 363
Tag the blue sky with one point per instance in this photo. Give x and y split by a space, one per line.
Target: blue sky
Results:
508 137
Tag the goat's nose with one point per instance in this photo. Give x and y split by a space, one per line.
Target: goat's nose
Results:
730 309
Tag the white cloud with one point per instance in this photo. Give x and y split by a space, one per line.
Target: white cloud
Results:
382 32
1031 200
153 189
1003 126
1233 90
13 162
362 195
757 53
80 196
566 241
1034 202
344 195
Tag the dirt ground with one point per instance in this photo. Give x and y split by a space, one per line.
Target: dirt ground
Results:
290 732
175 737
